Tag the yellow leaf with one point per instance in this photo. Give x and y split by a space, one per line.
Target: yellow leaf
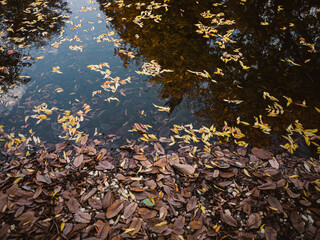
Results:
62 226
161 224
293 176
246 172
273 208
17 180
318 110
129 230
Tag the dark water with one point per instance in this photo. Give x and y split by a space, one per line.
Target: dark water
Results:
276 42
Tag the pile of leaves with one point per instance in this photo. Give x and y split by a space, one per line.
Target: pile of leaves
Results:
148 190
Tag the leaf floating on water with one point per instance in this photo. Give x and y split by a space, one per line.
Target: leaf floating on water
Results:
56 70
76 48
59 90
112 98
162 109
233 101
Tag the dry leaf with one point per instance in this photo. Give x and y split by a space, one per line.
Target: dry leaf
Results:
78 160
114 209
184 168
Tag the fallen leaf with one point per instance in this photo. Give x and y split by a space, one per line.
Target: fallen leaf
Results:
254 221
271 234
228 219
129 210
114 209
269 185
184 168
261 153
78 160
297 221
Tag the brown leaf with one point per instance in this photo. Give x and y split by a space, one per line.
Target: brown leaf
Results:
153 225
254 221
228 219
95 203
78 160
292 194
105 165
67 228
82 217
192 203
261 153
73 205
224 184
44 178
184 168
140 157
88 195
271 234
4 230
136 224
275 203
107 200
37 192
25 218
159 149
297 221
129 210
178 225
114 209
3 202
226 174
103 229
274 163
163 212
84 139
268 186
195 225
61 146
146 213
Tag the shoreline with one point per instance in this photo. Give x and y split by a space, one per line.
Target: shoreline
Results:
147 191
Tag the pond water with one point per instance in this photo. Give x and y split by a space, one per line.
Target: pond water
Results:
250 68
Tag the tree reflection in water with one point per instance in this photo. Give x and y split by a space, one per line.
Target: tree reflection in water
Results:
25 25
267 36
